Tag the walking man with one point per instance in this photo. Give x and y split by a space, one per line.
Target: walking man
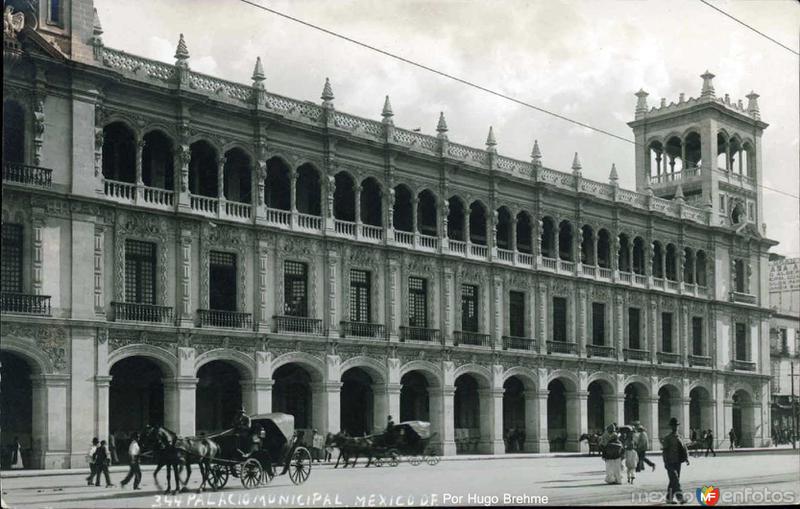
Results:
112 449
710 443
642 444
675 454
133 466
101 460
732 436
90 460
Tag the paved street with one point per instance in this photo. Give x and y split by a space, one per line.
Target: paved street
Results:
564 480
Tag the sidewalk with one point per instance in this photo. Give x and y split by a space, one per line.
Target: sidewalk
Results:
11 474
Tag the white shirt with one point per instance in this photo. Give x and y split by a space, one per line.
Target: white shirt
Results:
133 449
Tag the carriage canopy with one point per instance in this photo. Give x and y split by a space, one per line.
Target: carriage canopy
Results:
283 423
418 429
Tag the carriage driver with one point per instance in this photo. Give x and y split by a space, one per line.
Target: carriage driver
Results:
241 423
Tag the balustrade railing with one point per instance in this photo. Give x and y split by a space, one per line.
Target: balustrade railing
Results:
471 338
672 285
24 303
478 251
519 343
224 319
625 277
589 270
279 217
640 280
405 238
702 291
428 242
137 312
370 232
562 347
566 266
740 365
634 354
457 246
746 298
344 228
420 334
363 330
668 357
525 259
119 190
238 210
599 351
700 360
504 255
309 222
156 196
604 273
27 174
298 324
204 204
658 283
549 263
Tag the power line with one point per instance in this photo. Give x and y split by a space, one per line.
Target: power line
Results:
762 34
457 79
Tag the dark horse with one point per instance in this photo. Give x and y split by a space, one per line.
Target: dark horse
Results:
351 447
159 441
178 451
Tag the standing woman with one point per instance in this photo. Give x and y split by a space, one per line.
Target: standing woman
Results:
16 455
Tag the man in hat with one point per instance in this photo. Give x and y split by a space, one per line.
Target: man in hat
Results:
675 454
241 423
642 444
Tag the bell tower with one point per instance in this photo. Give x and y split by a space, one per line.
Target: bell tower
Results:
71 26
707 149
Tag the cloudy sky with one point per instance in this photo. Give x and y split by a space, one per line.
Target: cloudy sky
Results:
583 59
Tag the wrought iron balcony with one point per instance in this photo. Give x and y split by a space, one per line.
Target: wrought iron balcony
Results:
599 351
562 347
420 334
700 360
668 358
363 330
28 175
633 354
224 319
24 303
136 312
518 343
471 338
745 298
739 365
298 324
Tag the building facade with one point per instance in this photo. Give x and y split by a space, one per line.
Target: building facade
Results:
784 299
176 245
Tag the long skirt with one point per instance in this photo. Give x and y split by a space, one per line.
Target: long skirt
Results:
16 459
614 471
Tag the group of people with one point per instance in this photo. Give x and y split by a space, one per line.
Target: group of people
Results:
782 436
515 438
702 439
624 448
101 455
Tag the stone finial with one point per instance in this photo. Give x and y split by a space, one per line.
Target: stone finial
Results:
641 103
387 112
752 105
441 126
681 98
679 193
536 155
708 85
576 164
663 102
613 178
740 105
327 93
182 54
258 74
97 28
728 99
491 143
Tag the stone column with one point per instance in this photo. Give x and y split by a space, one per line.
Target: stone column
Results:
326 398
497 315
491 416
727 424
293 197
441 415
542 326
357 194
684 418
618 408
386 402
221 179
102 385
138 168
257 395
539 402
654 425
49 423
513 236
179 404
576 420
262 315
182 177
581 322
259 190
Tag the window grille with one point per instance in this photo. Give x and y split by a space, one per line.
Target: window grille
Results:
598 323
697 335
417 302
295 288
634 329
741 341
360 296
516 314
140 272
666 332
12 258
222 281
559 319
469 308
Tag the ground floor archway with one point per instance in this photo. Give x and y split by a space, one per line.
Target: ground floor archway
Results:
700 410
600 406
16 409
514 415
415 398
669 406
136 395
218 396
291 394
357 408
743 418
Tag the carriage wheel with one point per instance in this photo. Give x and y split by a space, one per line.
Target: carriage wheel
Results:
415 460
378 462
300 465
251 473
394 457
432 459
217 476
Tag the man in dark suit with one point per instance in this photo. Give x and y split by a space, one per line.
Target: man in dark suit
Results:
675 454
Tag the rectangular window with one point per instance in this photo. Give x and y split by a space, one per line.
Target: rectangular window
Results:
140 272
751 212
359 296
784 342
12 258
516 314
722 203
55 12
295 288
741 341
598 323
222 281
634 329
469 308
417 302
559 319
697 335
666 332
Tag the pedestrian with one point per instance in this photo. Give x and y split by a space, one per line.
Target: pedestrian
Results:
133 463
101 460
16 455
642 444
112 448
732 437
612 449
674 454
90 461
710 443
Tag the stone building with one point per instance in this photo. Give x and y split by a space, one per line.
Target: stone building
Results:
784 299
175 245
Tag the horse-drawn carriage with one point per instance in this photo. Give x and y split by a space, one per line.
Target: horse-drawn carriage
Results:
410 439
279 448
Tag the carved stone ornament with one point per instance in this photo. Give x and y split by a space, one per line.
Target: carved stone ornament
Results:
51 340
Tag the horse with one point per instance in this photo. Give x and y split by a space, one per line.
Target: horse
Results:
185 451
159 441
351 447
